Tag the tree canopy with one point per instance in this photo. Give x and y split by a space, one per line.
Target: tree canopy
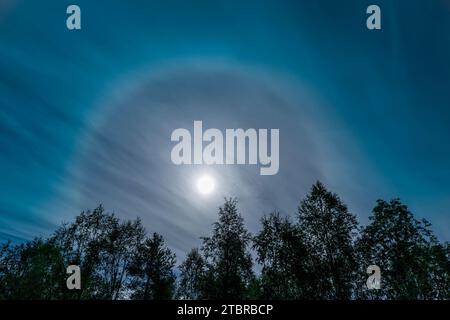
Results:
319 253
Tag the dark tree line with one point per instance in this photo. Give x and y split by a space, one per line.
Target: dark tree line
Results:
118 261
322 253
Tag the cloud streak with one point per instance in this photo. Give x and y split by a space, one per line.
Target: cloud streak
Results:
125 159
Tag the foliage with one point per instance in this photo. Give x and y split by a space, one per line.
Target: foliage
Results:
192 279
151 270
414 265
322 254
229 263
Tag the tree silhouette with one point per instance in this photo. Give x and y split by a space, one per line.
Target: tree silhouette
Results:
151 270
33 270
414 265
322 254
229 271
281 251
329 231
103 247
192 276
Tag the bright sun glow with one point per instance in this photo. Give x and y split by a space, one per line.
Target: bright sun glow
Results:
205 184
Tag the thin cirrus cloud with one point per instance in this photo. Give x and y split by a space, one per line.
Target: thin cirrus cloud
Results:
124 161
86 117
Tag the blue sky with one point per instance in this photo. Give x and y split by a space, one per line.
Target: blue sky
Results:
86 116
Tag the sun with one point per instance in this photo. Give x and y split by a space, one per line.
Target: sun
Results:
206 184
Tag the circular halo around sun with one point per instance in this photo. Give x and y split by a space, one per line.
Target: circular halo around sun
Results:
206 184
